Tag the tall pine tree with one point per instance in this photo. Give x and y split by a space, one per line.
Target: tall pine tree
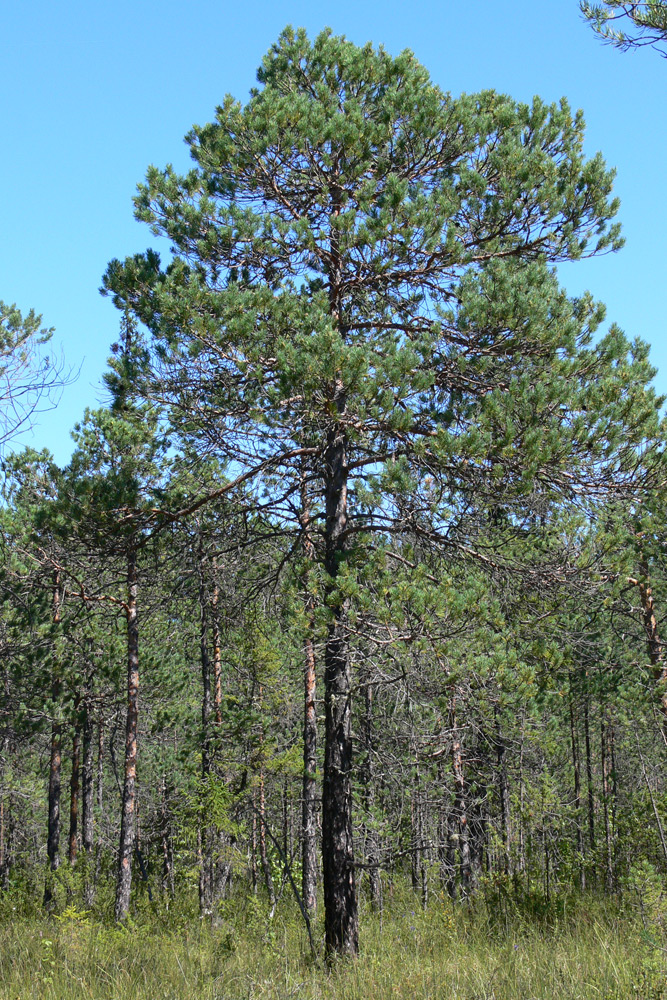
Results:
361 293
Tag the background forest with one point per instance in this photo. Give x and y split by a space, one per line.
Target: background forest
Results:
344 620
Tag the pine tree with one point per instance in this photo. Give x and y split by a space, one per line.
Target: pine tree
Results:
361 289
629 24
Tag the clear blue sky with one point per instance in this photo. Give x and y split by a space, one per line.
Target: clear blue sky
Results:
94 92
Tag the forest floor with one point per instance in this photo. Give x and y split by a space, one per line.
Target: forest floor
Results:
583 949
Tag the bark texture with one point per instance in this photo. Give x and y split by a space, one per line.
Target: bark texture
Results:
128 815
309 788
55 760
340 894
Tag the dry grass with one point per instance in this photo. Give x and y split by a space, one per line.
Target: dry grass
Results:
443 953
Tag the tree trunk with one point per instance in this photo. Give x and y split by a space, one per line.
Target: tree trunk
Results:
53 831
606 789
309 789
340 893
576 767
128 816
655 647
460 814
166 841
87 784
503 798
253 845
263 854
53 836
450 855
99 793
372 859
522 792
3 862
74 787
415 838
217 655
589 781
205 832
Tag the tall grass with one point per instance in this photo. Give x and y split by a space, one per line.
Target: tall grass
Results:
583 948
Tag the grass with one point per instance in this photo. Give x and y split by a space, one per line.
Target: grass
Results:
593 952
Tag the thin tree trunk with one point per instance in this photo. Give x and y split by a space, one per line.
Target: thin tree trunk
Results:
661 832
74 788
589 781
309 786
206 838
2 841
166 841
87 799
443 838
414 832
53 832
452 847
606 788
423 855
374 883
340 893
461 818
128 816
87 785
217 655
263 854
253 845
503 797
655 647
222 869
576 767
522 835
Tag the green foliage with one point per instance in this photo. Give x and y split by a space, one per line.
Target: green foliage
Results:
645 21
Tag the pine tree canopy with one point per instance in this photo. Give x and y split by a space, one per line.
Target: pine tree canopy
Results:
356 249
629 24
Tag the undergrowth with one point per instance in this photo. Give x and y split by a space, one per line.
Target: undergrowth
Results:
505 948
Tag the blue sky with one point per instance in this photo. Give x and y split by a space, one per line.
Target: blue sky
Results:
94 93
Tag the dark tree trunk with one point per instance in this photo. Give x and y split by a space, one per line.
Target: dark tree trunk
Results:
205 832
166 840
53 836
504 798
460 814
340 893
605 730
87 784
74 788
576 767
128 816
443 812
53 830
522 835
99 796
87 798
